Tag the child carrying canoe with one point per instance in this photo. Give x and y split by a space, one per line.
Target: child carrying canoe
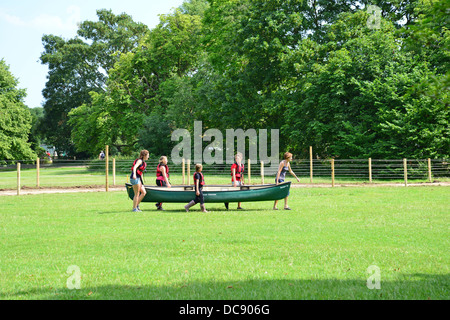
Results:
199 181
237 173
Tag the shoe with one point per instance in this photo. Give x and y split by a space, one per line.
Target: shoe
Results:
190 204
135 210
139 209
275 208
240 208
287 208
160 208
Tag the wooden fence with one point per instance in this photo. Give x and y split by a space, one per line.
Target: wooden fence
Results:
309 170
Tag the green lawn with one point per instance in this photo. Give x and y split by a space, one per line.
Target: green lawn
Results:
319 250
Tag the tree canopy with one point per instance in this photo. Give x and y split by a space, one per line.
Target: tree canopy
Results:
15 119
79 67
314 69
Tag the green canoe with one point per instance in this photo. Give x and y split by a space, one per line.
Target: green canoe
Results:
215 193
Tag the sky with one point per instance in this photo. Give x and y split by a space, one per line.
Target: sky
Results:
24 22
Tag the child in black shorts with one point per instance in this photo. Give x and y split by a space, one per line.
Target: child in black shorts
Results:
199 181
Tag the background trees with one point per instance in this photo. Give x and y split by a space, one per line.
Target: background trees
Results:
15 118
135 110
80 66
361 97
312 69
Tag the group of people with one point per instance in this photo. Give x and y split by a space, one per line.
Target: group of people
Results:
162 179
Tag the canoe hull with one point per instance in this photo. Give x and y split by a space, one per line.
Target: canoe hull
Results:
214 194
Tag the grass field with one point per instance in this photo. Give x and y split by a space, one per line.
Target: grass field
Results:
321 249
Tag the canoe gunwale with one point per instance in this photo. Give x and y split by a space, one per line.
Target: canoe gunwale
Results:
177 188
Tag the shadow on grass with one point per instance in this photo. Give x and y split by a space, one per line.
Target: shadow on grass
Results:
410 287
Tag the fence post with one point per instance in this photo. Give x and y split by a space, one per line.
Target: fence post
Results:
249 173
370 170
37 172
106 167
310 164
114 171
429 170
18 178
189 172
262 172
182 169
405 172
332 172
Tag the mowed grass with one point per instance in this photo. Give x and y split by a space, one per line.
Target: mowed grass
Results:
321 249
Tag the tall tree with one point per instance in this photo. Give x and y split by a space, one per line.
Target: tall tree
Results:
77 67
15 119
133 92
356 96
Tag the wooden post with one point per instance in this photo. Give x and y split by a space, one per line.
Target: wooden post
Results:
249 172
370 170
182 169
114 171
262 172
310 163
332 172
429 170
37 172
405 172
189 171
18 178
106 168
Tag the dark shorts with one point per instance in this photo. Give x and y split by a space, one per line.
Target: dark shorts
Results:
199 198
161 183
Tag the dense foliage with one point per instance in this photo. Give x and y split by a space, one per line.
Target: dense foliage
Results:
15 119
316 70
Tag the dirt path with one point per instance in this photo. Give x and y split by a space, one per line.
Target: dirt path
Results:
41 190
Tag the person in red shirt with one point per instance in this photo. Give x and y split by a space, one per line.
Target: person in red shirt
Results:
137 170
237 173
162 177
